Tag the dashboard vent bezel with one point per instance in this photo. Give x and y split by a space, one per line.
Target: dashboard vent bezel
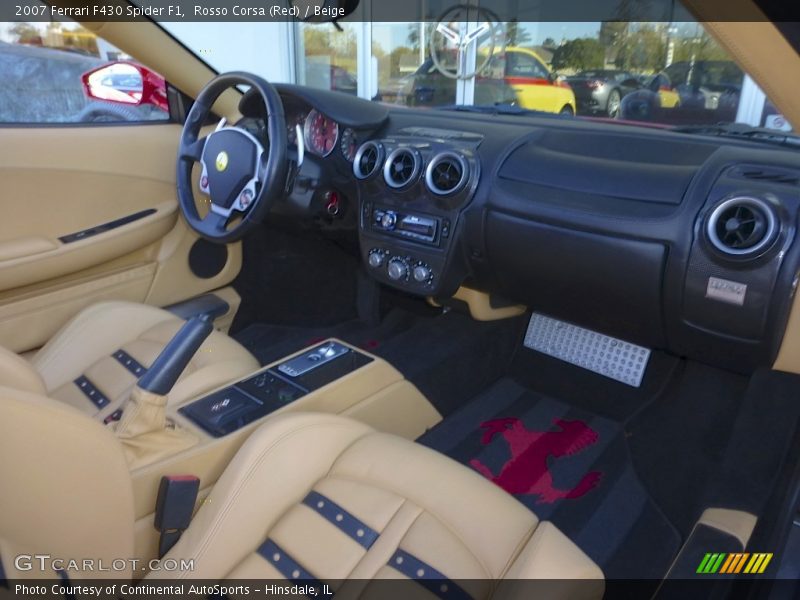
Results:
415 167
765 174
435 162
379 155
771 226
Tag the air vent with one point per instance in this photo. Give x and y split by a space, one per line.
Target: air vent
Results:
401 168
755 173
742 226
446 173
367 160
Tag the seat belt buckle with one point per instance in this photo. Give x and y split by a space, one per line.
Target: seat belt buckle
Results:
177 496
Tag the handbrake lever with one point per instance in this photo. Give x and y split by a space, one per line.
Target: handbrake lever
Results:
170 364
145 412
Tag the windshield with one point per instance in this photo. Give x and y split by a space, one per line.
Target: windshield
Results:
665 73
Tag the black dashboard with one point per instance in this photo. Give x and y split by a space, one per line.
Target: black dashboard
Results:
672 241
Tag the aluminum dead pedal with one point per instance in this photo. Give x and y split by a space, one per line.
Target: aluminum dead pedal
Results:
608 356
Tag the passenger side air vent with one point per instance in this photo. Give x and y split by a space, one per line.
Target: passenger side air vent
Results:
446 173
367 160
401 168
742 226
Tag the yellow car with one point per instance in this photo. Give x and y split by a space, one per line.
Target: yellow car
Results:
667 94
534 84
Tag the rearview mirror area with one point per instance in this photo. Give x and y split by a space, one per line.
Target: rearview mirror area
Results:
124 82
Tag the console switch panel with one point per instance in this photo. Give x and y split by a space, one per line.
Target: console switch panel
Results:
311 359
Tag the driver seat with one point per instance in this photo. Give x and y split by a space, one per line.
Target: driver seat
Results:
95 360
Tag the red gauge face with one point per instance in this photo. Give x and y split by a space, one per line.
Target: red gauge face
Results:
321 133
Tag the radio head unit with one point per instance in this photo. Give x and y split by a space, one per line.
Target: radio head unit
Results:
414 227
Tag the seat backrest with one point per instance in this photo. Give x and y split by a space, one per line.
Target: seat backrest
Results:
18 373
65 491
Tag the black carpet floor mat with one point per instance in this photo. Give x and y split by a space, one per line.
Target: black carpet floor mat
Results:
567 465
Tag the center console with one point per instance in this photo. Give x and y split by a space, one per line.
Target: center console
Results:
413 187
231 408
329 376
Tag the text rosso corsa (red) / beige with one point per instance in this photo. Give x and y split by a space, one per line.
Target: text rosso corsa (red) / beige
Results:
274 11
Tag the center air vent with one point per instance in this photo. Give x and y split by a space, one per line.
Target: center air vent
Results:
446 173
367 160
742 226
401 168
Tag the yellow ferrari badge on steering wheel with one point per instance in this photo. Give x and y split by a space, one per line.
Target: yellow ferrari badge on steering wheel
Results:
222 161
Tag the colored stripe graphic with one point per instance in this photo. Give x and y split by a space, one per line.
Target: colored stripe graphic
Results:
758 564
734 563
711 563
728 562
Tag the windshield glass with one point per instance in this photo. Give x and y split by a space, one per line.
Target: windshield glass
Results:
662 73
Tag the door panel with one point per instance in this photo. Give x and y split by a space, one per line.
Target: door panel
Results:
117 185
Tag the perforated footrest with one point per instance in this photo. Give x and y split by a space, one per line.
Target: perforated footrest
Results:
596 352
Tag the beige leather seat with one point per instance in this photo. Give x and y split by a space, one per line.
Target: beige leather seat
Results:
308 495
96 358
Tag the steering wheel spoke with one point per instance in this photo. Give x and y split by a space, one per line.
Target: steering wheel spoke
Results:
193 150
215 223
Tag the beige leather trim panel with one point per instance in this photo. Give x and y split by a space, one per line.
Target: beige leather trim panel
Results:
174 280
29 320
75 177
736 523
789 355
399 408
480 305
62 180
69 258
93 515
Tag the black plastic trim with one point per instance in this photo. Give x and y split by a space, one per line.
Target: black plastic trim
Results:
105 227
131 364
209 305
90 390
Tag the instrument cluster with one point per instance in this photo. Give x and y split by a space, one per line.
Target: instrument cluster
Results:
321 134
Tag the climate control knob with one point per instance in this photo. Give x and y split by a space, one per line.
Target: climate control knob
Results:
422 273
375 258
397 269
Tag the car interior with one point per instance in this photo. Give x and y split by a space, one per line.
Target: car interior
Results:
295 334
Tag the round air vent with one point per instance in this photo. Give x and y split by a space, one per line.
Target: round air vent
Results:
401 168
367 159
742 226
446 173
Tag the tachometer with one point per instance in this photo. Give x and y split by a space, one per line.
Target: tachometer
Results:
349 144
321 133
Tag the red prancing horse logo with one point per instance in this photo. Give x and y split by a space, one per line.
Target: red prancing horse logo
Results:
526 472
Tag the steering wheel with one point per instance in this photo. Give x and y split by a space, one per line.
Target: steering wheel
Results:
240 177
